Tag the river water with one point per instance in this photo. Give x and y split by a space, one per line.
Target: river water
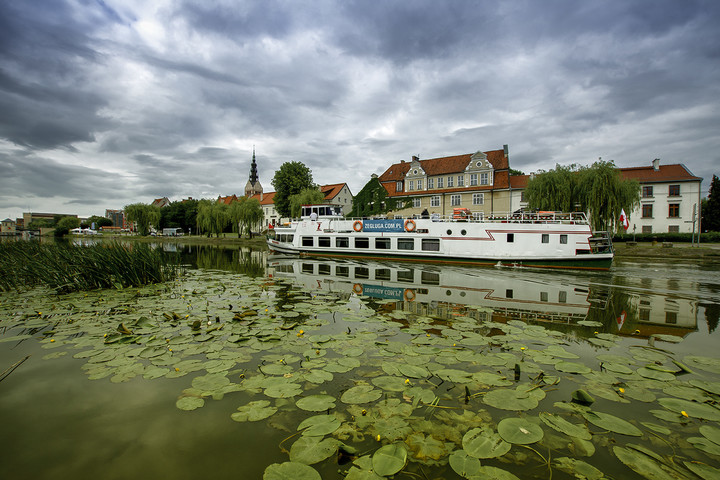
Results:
449 336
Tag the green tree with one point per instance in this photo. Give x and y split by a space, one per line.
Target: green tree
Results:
212 217
556 189
181 214
144 216
308 196
290 179
604 194
64 225
98 221
249 215
711 208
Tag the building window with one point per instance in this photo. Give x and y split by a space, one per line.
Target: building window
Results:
644 315
382 243
674 190
671 317
431 183
419 184
647 210
398 187
450 182
563 239
522 196
416 202
431 244
461 180
473 180
674 229
647 229
362 242
545 238
455 200
440 183
412 185
342 242
674 210
647 191
323 241
478 198
406 244
435 201
483 179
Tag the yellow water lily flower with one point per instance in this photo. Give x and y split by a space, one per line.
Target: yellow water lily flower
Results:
684 414
52 340
377 438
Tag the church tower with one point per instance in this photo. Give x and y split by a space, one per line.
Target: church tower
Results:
253 187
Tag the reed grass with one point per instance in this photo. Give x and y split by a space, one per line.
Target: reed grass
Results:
68 268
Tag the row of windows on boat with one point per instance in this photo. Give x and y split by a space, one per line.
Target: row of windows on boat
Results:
384 243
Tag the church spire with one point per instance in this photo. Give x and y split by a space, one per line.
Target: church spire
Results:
253 169
253 186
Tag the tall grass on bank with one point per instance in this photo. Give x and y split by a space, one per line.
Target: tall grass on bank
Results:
69 268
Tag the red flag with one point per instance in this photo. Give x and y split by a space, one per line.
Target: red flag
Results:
621 320
624 220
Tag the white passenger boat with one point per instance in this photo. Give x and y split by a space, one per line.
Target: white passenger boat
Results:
539 239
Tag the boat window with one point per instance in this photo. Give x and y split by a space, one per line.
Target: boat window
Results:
382 274
563 239
308 268
362 272
510 237
382 243
509 293
562 296
342 271
405 275
544 296
323 241
307 241
431 244
429 278
362 242
324 269
545 238
342 242
406 244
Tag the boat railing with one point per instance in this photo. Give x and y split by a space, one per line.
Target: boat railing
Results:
519 217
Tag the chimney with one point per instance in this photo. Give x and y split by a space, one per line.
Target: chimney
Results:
656 164
505 149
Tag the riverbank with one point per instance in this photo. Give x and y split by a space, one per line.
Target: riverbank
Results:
667 250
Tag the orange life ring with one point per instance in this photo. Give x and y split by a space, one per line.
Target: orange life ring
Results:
358 226
410 225
358 289
409 295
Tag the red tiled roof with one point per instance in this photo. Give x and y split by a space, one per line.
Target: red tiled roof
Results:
519 181
332 191
227 200
665 173
267 198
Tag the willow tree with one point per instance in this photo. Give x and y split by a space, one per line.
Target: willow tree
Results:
308 196
144 215
603 194
245 214
212 217
555 190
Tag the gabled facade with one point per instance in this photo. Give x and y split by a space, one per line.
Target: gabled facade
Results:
338 194
478 181
227 200
669 199
7 227
161 202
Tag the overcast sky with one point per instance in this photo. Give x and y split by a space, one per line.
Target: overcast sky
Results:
107 103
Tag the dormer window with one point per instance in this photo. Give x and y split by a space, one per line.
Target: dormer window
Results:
478 164
399 186
415 172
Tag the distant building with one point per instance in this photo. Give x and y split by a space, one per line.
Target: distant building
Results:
253 186
227 200
7 227
336 194
30 217
161 202
117 217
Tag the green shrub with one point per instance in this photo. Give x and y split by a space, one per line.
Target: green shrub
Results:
709 237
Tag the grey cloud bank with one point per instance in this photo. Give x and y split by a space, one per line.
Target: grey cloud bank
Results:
106 103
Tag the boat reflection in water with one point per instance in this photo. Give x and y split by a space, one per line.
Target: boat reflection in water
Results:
444 292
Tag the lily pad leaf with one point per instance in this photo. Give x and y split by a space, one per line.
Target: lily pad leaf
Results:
692 409
283 390
254 411
642 464
360 394
316 403
290 471
189 403
561 425
711 433
389 459
524 397
482 443
519 431
310 449
463 464
487 472
319 425
706 472
612 423
572 367
578 468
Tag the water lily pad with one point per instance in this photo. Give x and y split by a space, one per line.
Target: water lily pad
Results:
617 368
319 425
706 472
389 459
361 394
390 383
612 423
578 468
483 443
519 431
426 447
290 471
487 472
712 387
655 374
692 409
523 397
189 403
310 450
316 403
708 364
702 443
463 464
572 367
283 390
254 411
561 425
319 376
642 463
413 371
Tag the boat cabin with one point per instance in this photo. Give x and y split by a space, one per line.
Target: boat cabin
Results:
323 210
